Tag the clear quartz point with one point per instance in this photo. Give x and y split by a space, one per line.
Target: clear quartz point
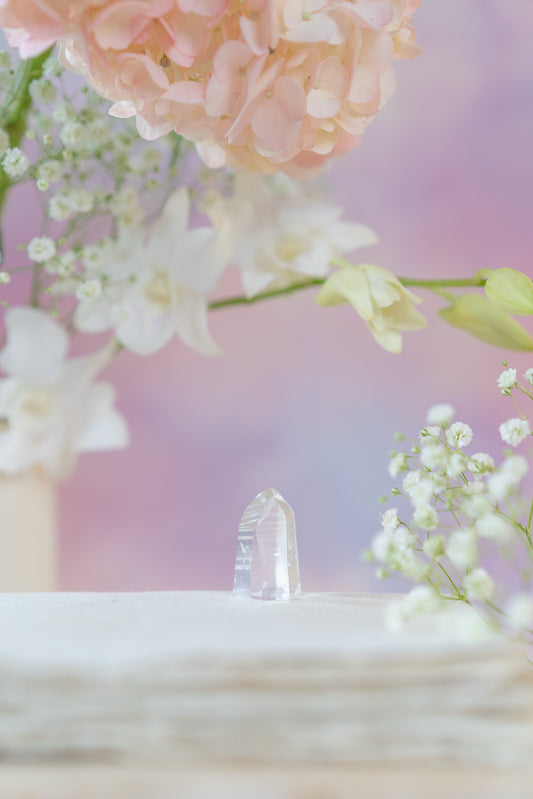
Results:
266 566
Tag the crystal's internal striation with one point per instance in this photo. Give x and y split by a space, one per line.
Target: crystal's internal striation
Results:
266 566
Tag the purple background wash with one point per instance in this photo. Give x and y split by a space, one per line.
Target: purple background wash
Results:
303 398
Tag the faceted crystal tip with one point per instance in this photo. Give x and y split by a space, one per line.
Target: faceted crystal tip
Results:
266 565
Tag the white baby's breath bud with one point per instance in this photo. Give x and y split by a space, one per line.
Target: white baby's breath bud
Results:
500 486
426 517
98 133
479 585
389 520
89 291
493 527
50 171
460 623
126 207
43 91
73 135
393 616
411 480
476 505
5 277
59 207
42 185
502 483
420 601
514 431
150 158
507 379
520 611
43 122
528 374
439 481
457 464
481 463
93 257
461 549
434 546
52 266
15 162
515 468
66 263
459 435
431 430
422 493
474 487
41 249
64 287
412 567
4 142
64 112
440 415
380 545
434 456
80 200
397 464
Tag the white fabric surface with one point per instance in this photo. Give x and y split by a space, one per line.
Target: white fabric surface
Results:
198 677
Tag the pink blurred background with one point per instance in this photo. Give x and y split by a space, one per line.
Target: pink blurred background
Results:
303 399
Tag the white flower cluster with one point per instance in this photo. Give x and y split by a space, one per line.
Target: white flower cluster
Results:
94 171
281 232
146 275
464 513
51 407
148 286
121 250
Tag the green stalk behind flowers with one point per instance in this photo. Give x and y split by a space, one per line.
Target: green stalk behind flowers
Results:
14 114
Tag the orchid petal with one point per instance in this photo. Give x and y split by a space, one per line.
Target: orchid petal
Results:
36 346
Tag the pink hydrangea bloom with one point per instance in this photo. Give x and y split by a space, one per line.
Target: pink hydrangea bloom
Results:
272 85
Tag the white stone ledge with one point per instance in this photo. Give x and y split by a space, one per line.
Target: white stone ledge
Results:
197 679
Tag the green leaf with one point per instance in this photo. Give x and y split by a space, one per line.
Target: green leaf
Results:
510 290
479 317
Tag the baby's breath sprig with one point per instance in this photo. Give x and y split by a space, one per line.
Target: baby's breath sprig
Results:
465 513
95 179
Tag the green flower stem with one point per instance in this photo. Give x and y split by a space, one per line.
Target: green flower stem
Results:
529 520
523 529
527 533
176 147
459 594
14 116
439 564
265 295
518 408
433 285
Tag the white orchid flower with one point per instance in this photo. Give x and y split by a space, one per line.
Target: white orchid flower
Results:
379 298
50 407
282 231
169 277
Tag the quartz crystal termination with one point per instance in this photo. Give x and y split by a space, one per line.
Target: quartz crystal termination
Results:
266 566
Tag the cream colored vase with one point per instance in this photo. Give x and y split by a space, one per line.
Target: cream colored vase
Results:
28 533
